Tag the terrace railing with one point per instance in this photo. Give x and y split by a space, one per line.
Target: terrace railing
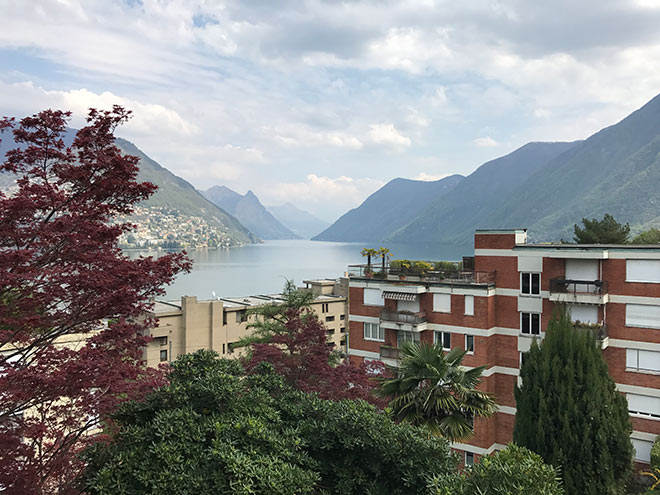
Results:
403 317
566 286
447 276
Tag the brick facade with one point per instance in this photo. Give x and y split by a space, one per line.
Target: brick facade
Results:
496 322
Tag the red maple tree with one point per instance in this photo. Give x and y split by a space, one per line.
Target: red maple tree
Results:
72 306
293 339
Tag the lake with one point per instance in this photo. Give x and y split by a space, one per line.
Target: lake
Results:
263 268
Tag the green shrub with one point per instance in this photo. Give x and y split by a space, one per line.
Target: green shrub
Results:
420 267
655 454
447 266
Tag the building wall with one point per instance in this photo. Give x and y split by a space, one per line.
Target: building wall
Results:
496 324
212 325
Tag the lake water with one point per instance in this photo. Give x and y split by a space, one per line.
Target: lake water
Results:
263 268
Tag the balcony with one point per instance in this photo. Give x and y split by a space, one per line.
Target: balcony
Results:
578 291
388 352
598 329
403 320
403 317
459 277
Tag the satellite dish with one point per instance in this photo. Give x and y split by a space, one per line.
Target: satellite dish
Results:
213 294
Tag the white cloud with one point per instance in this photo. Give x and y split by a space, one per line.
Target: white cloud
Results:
485 142
322 195
387 135
428 177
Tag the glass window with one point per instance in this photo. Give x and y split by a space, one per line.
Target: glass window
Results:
163 355
469 305
530 284
373 331
530 323
469 459
469 343
443 338
404 336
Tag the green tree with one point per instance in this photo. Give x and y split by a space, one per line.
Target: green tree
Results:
570 413
431 388
385 255
368 253
605 231
512 471
214 429
651 236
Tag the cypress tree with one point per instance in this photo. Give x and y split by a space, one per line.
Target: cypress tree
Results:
569 412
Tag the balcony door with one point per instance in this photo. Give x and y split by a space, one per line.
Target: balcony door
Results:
587 270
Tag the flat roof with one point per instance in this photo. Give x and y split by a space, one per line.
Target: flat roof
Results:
559 245
500 231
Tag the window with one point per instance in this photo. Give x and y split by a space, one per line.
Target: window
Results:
644 405
330 318
639 360
469 344
342 330
642 450
404 336
224 317
469 459
241 316
469 305
223 348
161 341
230 348
330 332
324 307
443 338
530 284
442 303
530 323
373 297
373 331
163 355
643 271
342 317
642 315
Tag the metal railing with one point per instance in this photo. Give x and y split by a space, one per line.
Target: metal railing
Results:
566 286
402 316
387 352
446 276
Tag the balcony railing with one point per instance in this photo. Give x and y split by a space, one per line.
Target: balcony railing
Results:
599 329
565 286
387 352
403 316
446 276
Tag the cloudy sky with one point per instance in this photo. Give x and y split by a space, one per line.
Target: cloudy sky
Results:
320 102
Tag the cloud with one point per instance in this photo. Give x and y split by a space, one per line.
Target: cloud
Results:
387 135
428 177
322 195
485 142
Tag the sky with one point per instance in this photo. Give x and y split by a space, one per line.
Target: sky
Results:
319 102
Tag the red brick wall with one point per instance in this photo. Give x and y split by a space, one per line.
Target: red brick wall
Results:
506 268
616 362
552 268
457 316
494 241
507 312
504 428
357 307
614 271
617 329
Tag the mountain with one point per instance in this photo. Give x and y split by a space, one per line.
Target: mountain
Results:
299 221
174 195
249 210
453 217
616 171
390 208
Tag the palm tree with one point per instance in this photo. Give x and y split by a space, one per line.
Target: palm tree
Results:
384 253
432 389
369 252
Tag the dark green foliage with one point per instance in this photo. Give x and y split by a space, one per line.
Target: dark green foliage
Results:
605 231
655 454
651 236
512 471
432 389
216 430
570 413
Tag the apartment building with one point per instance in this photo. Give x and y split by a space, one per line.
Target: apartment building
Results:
189 325
502 299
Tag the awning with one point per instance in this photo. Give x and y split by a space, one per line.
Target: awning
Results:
399 296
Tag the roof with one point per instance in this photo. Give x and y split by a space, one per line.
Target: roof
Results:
558 245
